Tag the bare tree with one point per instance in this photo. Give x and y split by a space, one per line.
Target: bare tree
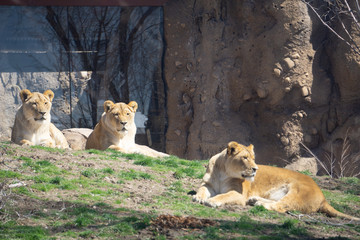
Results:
82 33
100 40
340 17
127 37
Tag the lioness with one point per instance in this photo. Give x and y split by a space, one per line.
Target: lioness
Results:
33 125
116 130
232 177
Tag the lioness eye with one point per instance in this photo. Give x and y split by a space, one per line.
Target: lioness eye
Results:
128 114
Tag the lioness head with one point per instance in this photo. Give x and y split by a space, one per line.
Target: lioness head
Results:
241 161
36 106
119 116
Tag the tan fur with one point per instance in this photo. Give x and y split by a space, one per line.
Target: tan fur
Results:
116 130
232 177
33 125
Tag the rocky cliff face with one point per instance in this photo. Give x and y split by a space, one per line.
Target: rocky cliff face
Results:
265 72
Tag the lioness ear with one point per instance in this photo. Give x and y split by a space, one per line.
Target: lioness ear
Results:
107 105
233 148
25 94
49 94
133 105
251 147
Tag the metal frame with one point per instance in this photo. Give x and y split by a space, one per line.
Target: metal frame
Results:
122 3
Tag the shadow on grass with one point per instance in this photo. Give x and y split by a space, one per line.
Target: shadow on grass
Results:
30 218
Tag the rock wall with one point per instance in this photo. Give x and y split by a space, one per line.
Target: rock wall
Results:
255 72
13 83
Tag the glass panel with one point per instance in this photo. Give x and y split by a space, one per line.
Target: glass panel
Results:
86 55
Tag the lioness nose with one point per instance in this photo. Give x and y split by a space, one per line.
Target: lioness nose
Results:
123 123
42 113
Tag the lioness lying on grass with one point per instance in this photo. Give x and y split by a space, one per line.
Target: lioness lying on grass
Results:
233 177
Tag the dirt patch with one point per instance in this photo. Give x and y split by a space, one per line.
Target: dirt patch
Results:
169 221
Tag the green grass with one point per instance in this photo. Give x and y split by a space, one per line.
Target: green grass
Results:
131 174
180 167
99 173
43 166
177 187
353 183
10 230
89 173
306 172
56 180
108 170
79 203
49 149
293 226
79 221
261 211
245 226
9 174
343 202
83 217
22 191
258 211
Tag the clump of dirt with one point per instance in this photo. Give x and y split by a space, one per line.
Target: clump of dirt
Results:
170 221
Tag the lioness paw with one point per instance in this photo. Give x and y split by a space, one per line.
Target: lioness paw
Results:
117 148
25 142
252 201
212 203
198 198
48 143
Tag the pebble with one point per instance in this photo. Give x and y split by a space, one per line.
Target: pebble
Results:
178 64
295 56
277 72
261 93
246 96
289 63
284 140
216 124
305 91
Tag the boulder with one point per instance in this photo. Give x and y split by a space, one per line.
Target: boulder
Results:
304 164
77 137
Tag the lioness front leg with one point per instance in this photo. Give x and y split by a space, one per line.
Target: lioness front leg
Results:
231 197
202 194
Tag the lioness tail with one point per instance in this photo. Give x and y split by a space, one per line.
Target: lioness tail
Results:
332 212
